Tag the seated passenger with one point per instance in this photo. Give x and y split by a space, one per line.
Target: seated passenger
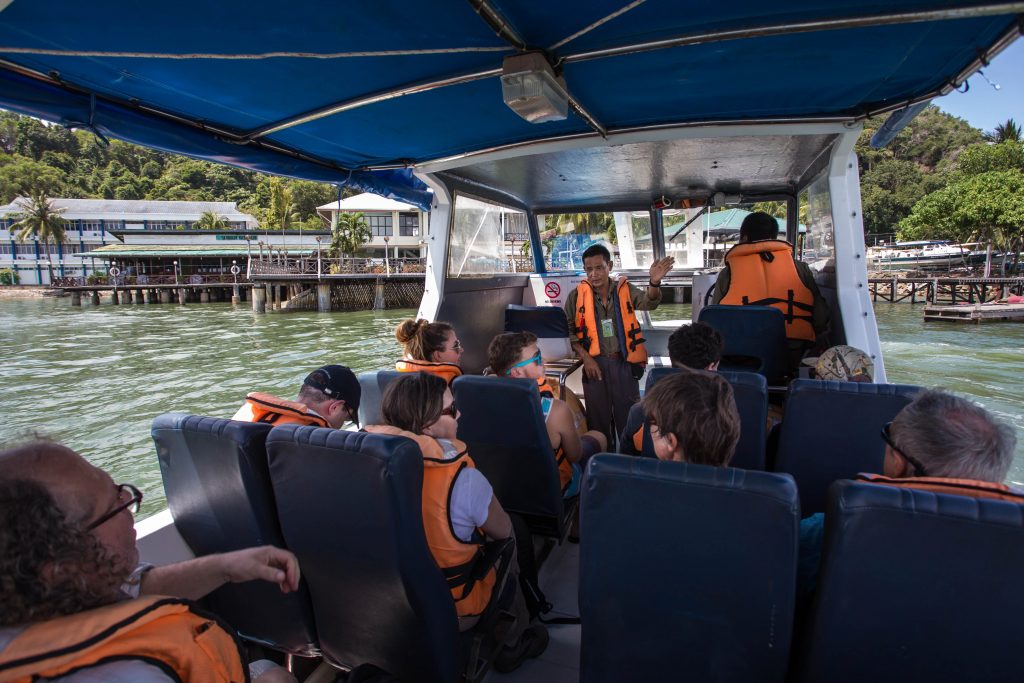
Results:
515 354
71 572
459 508
697 346
429 347
693 418
939 442
329 397
761 271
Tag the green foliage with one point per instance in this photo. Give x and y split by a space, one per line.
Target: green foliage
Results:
211 221
1005 132
984 158
924 157
350 234
21 177
984 207
9 277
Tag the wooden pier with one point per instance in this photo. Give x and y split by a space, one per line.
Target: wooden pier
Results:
943 290
977 314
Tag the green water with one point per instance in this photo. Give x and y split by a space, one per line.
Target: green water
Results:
94 378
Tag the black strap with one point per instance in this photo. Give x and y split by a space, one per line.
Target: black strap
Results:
559 620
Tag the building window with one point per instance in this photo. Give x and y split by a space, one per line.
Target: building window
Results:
409 224
380 225
5 249
26 249
92 225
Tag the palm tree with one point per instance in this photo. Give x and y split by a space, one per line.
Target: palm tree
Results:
1005 131
211 221
40 220
351 232
282 211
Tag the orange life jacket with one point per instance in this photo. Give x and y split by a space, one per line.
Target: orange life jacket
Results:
260 407
763 274
166 632
564 466
627 326
455 557
958 487
446 371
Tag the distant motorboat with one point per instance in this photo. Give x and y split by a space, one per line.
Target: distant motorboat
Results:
925 255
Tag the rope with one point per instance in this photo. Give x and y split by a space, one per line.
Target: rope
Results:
596 24
253 56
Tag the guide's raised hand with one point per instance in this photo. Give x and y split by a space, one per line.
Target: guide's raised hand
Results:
660 269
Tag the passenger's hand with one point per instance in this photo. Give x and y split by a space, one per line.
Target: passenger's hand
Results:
265 563
591 369
660 268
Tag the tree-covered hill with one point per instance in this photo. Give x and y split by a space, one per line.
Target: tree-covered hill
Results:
38 157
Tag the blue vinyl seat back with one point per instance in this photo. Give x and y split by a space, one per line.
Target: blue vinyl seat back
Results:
751 332
218 490
372 386
350 509
547 322
916 586
751 393
503 427
687 572
831 430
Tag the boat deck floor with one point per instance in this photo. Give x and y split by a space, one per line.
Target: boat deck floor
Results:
559 579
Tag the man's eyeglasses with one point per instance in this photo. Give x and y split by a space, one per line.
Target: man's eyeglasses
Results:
535 359
457 346
919 470
129 497
451 410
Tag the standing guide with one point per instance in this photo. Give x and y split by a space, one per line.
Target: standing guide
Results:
606 336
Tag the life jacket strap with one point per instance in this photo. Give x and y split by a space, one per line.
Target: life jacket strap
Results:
791 303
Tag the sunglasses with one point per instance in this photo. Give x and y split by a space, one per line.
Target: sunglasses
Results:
535 359
919 470
132 504
457 346
450 411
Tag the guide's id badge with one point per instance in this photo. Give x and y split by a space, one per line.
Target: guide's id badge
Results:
606 328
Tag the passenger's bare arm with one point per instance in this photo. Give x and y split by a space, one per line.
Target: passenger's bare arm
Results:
561 419
498 524
194 579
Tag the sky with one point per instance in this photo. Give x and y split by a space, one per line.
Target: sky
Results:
983 106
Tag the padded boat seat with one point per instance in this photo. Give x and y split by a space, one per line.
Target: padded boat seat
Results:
372 386
830 431
751 393
349 505
916 586
552 329
755 339
219 493
503 427
687 572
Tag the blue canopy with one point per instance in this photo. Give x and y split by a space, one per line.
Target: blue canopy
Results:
289 89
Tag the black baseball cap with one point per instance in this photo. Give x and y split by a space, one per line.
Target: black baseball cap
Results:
338 382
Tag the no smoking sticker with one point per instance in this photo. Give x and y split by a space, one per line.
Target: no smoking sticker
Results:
552 290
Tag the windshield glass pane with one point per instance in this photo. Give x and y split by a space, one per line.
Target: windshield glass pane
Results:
486 238
566 236
817 244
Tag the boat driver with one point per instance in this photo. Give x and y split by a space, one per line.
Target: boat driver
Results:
78 607
761 271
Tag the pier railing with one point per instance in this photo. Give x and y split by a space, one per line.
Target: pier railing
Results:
334 266
935 290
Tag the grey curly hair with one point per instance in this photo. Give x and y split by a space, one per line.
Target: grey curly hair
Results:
49 565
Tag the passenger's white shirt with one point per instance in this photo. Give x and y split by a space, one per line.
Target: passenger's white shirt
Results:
471 497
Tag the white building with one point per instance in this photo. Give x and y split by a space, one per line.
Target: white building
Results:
400 228
92 224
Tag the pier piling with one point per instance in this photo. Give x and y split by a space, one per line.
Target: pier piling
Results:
235 296
140 296
95 299
127 296
259 299
76 298
182 296
113 298
323 297
204 296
